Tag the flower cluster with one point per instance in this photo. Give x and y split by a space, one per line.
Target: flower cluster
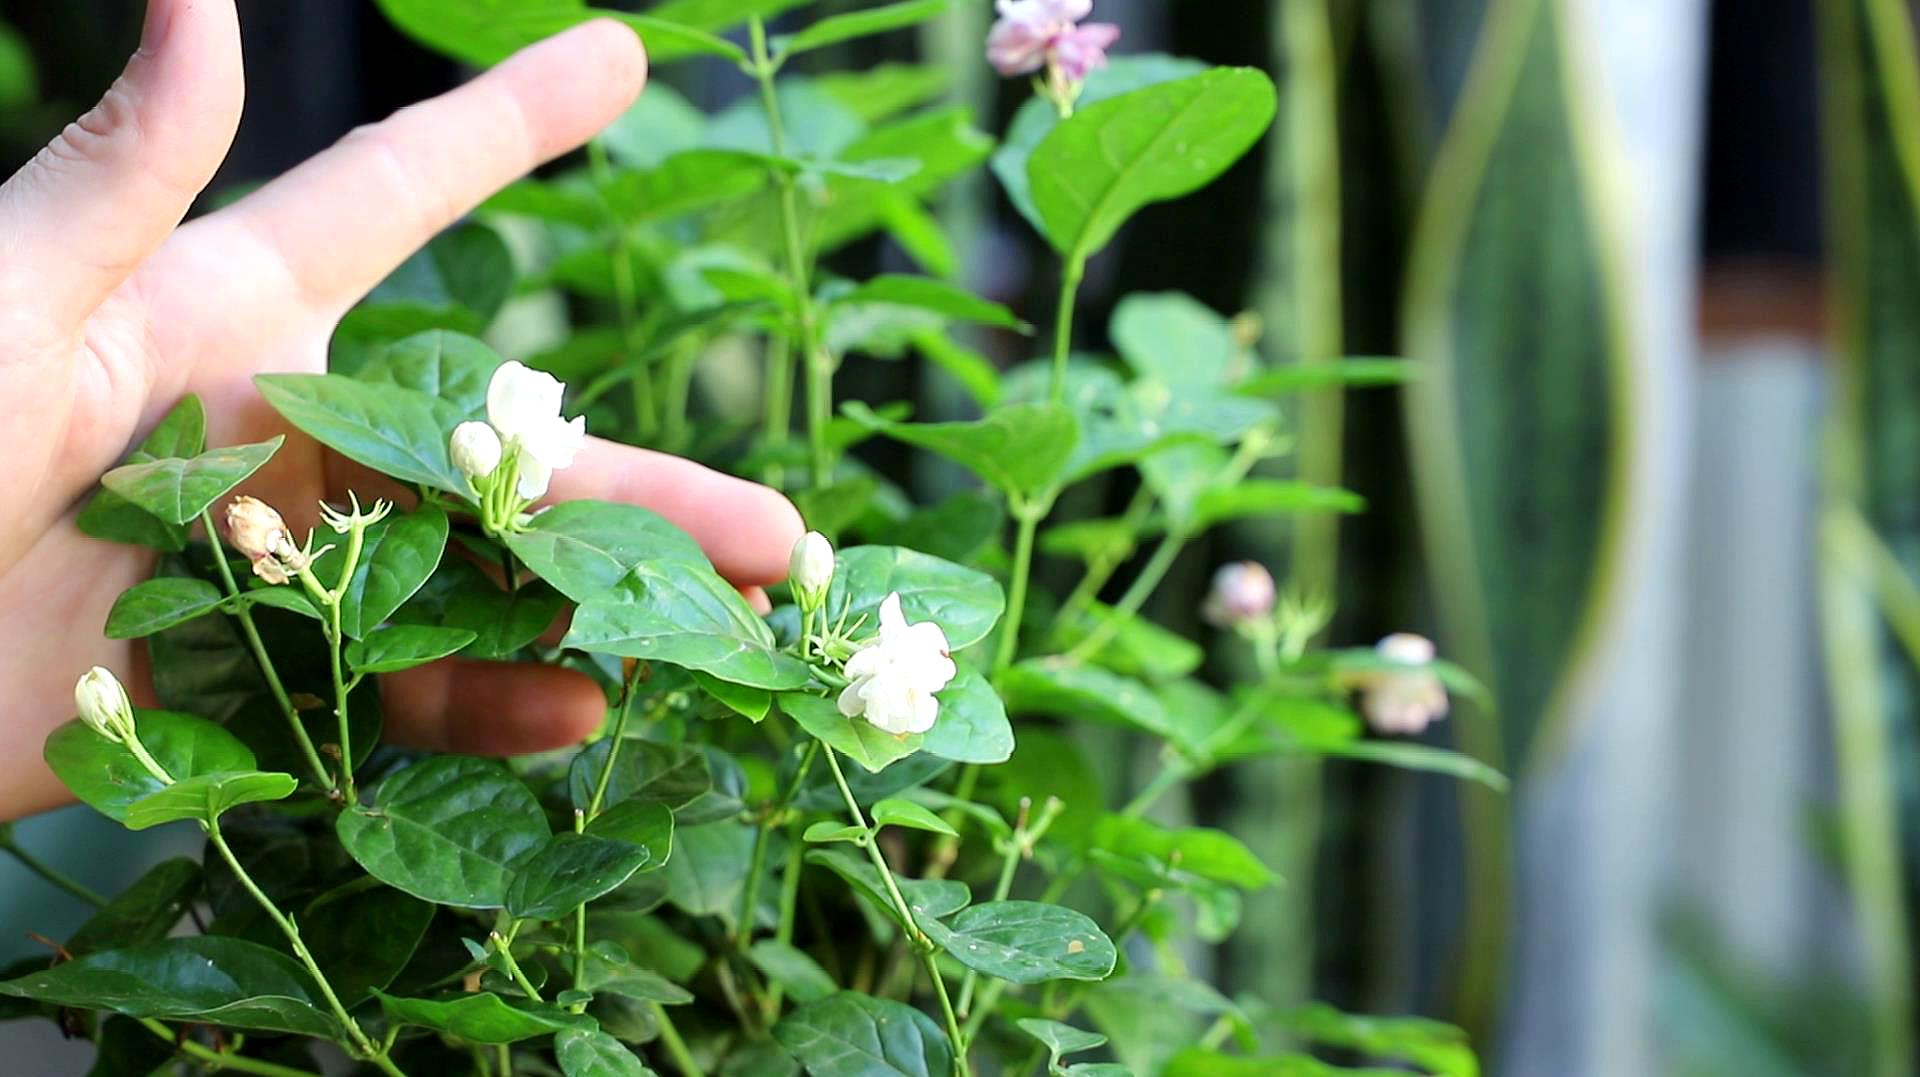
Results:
511 458
1032 35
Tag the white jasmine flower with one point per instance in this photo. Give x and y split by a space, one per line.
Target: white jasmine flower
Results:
523 405
894 678
810 569
475 449
1242 593
261 536
103 704
1403 702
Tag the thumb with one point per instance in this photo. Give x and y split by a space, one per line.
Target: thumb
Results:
92 205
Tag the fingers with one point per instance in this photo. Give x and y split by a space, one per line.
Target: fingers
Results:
86 211
490 708
343 220
746 529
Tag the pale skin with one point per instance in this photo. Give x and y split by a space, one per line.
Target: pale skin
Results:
111 310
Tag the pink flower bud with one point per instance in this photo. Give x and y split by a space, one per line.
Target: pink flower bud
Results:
1403 701
261 536
1032 34
1242 593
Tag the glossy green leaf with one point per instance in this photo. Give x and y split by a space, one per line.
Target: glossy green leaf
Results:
109 779
484 32
569 871
145 912
176 490
152 605
584 548
1258 498
866 22
583 1053
894 811
709 868
206 797
1211 854
1113 157
941 301
1418 757
482 1017
856 738
182 433
927 898
660 124
398 555
645 823
460 595
1082 692
464 275
388 650
646 771
792 969
748 702
1148 1018
609 971
1061 1039
685 615
446 830
1021 449
393 430
943 142
972 726
362 936
1434 1046
855 1035
1135 646
1037 118
964 602
1026 942
1175 338
205 979
826 832
451 366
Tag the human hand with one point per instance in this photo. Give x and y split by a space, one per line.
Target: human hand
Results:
112 311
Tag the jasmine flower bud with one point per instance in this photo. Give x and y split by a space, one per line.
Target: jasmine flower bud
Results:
261 536
1242 594
345 522
892 680
1403 700
103 704
1032 34
475 449
810 569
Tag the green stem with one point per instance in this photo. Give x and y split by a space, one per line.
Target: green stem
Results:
625 296
1148 796
789 908
336 641
503 945
259 649
1099 572
53 875
679 389
779 402
1071 272
750 893
360 1042
1029 514
919 938
676 1047
215 1061
617 735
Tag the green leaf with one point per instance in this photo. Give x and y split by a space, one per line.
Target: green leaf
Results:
584 548
151 605
291 599
398 555
1098 168
856 738
972 726
826 832
463 275
973 371
1149 1017
144 912
1037 118
446 830
856 24
109 779
752 703
569 871
1135 647
1203 1062
176 490
204 980
1061 1039
685 615
709 868
1022 449
885 90
1025 942
362 936
946 302
182 433
660 124
206 797
460 595
1433 1046
609 971
855 1035
964 602
388 650
896 812
1211 854
1050 686
1310 377
1257 498
395 431
1417 757
451 366
646 771
583 1053
638 821
792 969
1175 338
484 32
928 898
482 1017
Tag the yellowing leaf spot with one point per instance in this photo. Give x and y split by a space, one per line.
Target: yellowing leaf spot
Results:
1075 946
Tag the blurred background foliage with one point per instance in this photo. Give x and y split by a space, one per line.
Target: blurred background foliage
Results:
1582 219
